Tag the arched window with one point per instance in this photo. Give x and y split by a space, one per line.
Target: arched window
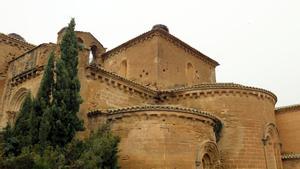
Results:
92 54
123 68
272 147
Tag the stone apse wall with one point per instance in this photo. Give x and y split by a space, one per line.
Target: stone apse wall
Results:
157 136
249 137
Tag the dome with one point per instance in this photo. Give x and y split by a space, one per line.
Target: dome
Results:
16 36
161 27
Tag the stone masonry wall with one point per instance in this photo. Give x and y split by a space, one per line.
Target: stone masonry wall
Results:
291 164
289 129
244 115
160 139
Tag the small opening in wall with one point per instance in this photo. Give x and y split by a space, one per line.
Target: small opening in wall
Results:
124 68
79 40
147 73
141 75
143 70
164 70
90 57
92 54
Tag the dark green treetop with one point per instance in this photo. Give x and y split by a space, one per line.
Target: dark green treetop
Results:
66 96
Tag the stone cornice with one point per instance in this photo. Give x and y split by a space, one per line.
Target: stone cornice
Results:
24 76
26 45
289 156
288 108
158 32
219 89
120 112
98 73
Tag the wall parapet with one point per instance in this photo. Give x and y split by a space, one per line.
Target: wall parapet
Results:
219 89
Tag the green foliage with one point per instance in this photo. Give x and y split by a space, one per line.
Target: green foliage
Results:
66 97
43 103
100 150
52 158
47 83
20 136
22 161
10 142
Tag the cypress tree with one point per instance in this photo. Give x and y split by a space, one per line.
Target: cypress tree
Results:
47 83
66 97
43 102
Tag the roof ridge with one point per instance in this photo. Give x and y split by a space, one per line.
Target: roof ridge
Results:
165 35
288 107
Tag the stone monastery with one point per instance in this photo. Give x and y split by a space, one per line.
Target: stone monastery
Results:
161 97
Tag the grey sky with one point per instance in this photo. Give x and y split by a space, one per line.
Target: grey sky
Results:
256 42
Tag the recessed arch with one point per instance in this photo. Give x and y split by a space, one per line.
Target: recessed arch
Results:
16 102
272 146
208 156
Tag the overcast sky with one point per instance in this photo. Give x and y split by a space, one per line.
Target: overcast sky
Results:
256 42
